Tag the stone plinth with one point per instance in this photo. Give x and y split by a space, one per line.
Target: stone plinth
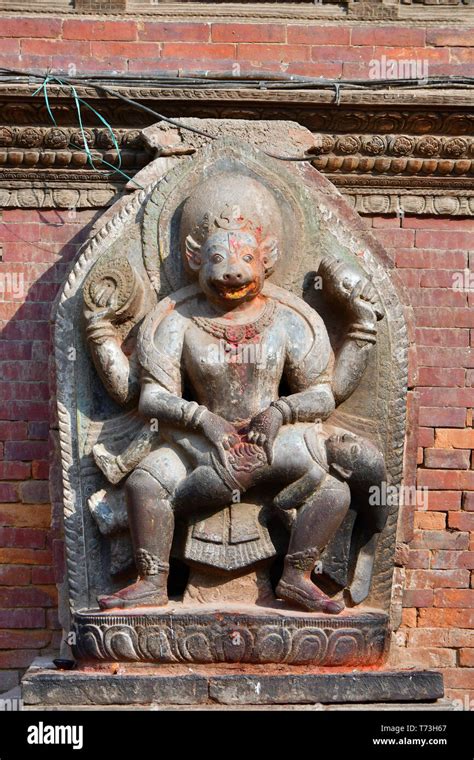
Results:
116 685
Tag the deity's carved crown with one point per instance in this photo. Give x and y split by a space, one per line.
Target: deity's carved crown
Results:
231 219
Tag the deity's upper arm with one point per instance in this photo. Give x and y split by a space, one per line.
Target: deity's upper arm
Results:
309 357
160 348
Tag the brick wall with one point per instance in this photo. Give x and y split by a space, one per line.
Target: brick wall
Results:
310 49
438 617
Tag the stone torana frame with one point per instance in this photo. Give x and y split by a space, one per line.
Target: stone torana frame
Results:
131 224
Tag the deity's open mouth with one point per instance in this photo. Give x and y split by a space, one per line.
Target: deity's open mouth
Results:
235 293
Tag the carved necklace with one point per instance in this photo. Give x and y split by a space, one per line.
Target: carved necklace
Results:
236 334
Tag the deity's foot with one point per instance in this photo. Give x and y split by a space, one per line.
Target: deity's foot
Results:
303 592
146 592
107 462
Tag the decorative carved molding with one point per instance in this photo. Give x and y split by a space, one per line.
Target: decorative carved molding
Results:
425 11
417 157
181 636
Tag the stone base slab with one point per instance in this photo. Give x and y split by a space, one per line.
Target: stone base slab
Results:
45 686
206 633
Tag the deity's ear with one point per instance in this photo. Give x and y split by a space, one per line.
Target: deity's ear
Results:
192 251
269 252
342 471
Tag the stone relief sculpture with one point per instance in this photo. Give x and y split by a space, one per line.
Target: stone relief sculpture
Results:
237 397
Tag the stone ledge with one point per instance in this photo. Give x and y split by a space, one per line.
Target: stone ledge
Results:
150 686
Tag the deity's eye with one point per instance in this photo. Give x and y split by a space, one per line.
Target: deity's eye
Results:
217 258
248 257
355 450
346 283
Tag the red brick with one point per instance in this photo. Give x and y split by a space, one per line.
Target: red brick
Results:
418 598
461 55
460 597
12 431
425 437
458 678
436 376
102 50
31 618
409 617
14 575
452 560
29 538
456 36
418 559
439 539
409 277
445 239
35 492
468 501
33 27
414 258
445 357
384 222
192 52
20 658
157 31
25 515
430 520
249 33
19 390
437 297
41 596
449 396
457 439
9 492
318 35
446 618
466 658
42 575
319 69
38 431
24 371
429 657
455 459
14 470
433 416
447 479
19 233
448 578
179 66
461 520
437 223
15 639
25 557
440 637
52 619
439 278
444 317
40 470
257 52
26 450
73 48
343 53
439 336
15 349
99 30
432 55
387 35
